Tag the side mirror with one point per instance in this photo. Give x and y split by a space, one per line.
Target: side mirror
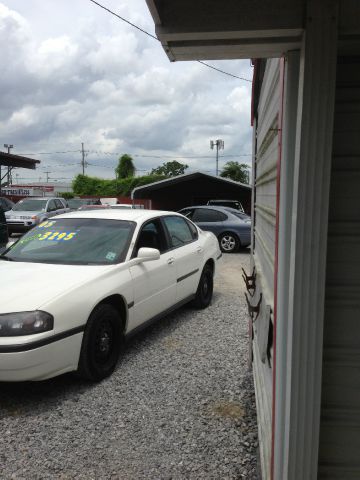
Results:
146 254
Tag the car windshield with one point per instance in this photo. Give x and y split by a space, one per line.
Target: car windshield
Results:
75 241
30 205
76 202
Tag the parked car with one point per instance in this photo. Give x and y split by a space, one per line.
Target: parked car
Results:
6 204
127 205
3 230
29 212
93 207
227 203
232 231
76 285
243 216
75 203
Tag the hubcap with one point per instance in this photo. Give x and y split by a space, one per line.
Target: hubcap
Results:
104 341
228 243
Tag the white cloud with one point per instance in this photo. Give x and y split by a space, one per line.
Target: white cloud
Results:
81 75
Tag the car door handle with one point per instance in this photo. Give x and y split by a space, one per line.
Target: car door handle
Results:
171 260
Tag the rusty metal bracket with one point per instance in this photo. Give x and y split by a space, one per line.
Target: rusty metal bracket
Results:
249 281
253 309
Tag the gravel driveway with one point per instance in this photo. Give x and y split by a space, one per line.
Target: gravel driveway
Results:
179 406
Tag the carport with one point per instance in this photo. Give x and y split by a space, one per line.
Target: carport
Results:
11 161
193 189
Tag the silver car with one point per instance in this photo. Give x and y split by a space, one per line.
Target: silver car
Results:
31 211
231 227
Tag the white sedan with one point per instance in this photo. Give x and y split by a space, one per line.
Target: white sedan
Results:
75 286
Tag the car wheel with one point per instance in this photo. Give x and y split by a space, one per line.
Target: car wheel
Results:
228 242
101 343
205 288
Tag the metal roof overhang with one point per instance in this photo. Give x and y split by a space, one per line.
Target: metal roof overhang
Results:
10 160
212 30
209 29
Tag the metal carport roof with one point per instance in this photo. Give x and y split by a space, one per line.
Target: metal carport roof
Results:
192 188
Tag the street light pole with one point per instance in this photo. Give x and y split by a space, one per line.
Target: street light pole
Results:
219 144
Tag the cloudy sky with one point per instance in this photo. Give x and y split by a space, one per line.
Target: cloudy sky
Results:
72 73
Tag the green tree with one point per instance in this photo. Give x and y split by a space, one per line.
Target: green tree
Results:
170 169
84 185
125 168
236 171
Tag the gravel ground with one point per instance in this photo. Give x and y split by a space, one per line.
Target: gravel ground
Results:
179 406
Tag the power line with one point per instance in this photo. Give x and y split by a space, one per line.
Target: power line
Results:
125 20
222 71
49 153
155 38
136 155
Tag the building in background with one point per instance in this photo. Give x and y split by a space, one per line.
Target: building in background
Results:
36 189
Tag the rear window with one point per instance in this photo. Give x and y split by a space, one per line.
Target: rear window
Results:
208 215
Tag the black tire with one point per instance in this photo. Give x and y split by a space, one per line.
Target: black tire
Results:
229 242
205 288
102 343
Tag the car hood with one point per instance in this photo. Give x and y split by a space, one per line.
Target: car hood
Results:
22 213
27 286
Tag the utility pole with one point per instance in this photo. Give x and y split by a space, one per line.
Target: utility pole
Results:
83 158
219 144
47 176
9 147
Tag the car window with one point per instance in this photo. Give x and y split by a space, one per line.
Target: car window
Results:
179 231
208 215
151 236
51 206
193 229
58 204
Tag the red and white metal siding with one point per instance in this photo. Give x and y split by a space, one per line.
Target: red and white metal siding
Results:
339 454
266 154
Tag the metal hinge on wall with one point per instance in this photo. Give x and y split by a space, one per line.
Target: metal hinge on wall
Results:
253 310
250 281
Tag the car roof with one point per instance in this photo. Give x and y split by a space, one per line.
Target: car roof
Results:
135 215
207 207
238 201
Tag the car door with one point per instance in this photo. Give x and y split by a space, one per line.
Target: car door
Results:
51 209
60 208
188 253
154 281
209 219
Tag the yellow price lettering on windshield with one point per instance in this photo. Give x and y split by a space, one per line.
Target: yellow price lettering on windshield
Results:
57 236
46 224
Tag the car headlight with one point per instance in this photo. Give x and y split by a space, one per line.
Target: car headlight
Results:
25 323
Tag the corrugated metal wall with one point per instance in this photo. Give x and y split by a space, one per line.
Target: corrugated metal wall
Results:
339 453
263 255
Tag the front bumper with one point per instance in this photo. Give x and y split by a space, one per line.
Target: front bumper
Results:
41 362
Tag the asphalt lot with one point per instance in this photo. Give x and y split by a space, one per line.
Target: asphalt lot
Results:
179 406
